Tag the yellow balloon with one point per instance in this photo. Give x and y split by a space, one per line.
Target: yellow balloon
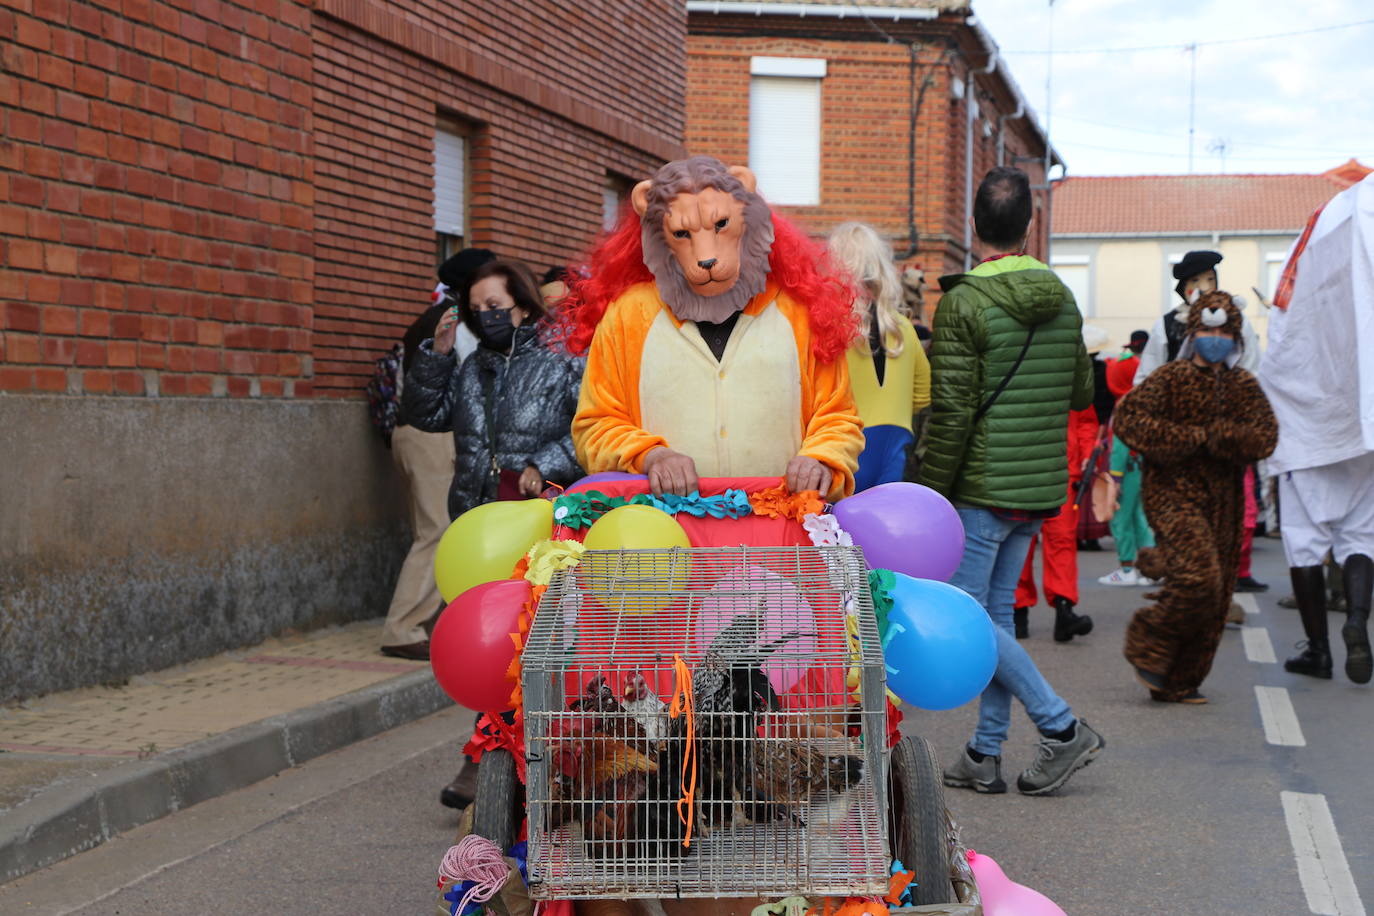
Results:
635 583
485 543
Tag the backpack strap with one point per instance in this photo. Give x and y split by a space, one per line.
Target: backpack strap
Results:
1006 379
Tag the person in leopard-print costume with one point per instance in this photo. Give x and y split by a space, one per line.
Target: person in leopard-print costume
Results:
1197 422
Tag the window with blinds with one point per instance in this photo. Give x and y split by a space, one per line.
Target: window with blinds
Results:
450 182
785 129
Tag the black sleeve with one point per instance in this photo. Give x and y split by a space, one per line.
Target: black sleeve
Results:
420 330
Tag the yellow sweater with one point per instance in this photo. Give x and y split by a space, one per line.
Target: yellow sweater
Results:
906 382
652 381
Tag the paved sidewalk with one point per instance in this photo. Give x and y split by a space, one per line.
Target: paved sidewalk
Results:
79 767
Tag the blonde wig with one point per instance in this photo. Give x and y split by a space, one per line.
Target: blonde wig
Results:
860 251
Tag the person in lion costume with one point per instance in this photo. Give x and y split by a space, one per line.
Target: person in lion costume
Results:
715 341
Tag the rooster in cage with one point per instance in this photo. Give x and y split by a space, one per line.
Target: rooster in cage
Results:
601 760
730 691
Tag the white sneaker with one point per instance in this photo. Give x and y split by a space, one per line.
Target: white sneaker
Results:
1121 577
1147 583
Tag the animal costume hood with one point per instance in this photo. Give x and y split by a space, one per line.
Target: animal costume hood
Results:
779 389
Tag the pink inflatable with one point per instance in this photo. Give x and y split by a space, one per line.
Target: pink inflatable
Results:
785 614
1003 896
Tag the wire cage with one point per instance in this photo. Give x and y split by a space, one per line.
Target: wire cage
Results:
692 729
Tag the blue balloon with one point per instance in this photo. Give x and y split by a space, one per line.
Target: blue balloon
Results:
605 477
940 646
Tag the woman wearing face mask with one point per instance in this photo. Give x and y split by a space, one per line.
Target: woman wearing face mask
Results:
509 404
1196 423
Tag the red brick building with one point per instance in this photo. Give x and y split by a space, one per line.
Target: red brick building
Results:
886 111
214 214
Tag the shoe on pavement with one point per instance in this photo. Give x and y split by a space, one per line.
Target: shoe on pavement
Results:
460 793
1152 682
1250 584
1056 761
1193 698
985 777
1020 617
1289 601
1067 623
415 651
1313 661
1359 664
1121 578
1235 617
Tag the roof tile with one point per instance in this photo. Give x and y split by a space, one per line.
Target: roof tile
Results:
1149 204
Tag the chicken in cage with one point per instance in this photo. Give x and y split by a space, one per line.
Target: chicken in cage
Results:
713 746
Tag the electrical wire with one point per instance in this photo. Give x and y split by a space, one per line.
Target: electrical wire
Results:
1183 46
1182 135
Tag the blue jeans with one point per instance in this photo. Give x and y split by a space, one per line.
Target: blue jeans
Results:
994 551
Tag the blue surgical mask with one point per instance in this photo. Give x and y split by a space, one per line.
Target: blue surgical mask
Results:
1214 349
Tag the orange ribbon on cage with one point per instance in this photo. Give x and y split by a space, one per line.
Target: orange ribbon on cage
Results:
683 705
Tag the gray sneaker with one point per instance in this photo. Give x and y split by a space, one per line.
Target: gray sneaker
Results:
1056 761
985 777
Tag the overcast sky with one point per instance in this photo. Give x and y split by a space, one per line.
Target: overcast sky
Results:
1303 103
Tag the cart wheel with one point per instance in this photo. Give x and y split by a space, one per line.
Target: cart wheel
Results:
499 801
916 820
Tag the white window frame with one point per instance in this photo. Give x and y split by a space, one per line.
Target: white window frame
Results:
793 179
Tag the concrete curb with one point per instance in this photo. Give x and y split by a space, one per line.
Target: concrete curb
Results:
79 816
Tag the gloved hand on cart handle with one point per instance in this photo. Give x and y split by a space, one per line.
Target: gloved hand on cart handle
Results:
670 472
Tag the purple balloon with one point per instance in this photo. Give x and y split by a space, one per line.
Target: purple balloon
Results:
906 528
606 477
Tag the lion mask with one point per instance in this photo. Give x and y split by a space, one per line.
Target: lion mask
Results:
707 237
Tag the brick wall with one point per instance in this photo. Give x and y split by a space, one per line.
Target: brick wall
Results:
234 197
155 199
538 168
866 120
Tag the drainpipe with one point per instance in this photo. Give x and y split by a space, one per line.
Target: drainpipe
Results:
1002 128
968 154
913 238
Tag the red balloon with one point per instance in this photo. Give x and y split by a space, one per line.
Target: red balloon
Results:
471 649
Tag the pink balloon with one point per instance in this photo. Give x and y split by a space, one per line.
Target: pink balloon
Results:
785 613
906 528
1003 896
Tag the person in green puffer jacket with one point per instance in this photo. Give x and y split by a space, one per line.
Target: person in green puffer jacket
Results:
1007 364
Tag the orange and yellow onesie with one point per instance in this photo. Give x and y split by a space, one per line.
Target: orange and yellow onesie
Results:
652 381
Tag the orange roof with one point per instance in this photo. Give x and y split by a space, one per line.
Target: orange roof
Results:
1153 204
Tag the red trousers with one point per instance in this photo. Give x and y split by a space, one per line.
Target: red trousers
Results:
1059 535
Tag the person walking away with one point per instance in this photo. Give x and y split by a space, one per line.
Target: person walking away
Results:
426 462
1197 422
1007 365
509 407
1059 556
1318 376
1130 530
888 368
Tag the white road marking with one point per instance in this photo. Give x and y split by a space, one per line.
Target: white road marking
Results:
1325 875
1280 721
1258 648
1247 602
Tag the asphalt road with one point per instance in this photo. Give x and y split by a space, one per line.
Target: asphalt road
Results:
1183 813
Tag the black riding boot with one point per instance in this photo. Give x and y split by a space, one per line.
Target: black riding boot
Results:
1309 587
1020 618
1067 624
1359 583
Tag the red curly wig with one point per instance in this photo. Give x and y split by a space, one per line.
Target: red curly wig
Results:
800 267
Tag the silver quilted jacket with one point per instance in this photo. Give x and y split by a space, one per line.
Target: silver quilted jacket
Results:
530 395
